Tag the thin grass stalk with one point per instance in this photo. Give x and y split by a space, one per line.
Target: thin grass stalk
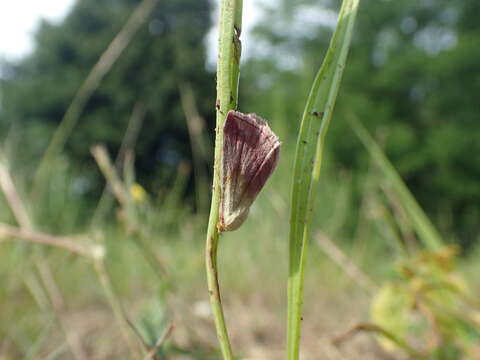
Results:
308 160
345 263
56 353
13 199
158 344
8 232
427 232
132 133
402 220
127 146
100 155
175 193
35 348
58 304
32 283
134 346
369 327
227 92
195 126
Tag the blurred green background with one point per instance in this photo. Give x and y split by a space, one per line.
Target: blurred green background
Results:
412 78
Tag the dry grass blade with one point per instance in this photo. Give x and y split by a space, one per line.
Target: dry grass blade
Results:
161 340
141 235
12 197
56 353
58 304
91 83
8 232
128 144
131 134
196 126
195 123
347 265
100 154
369 327
135 347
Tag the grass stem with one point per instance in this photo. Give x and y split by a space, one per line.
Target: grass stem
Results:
136 350
227 85
8 232
308 161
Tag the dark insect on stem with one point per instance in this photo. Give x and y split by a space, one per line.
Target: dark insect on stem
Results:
318 114
250 155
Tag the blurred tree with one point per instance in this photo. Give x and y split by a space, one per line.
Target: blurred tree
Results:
412 72
167 50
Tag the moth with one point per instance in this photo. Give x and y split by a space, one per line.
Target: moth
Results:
250 155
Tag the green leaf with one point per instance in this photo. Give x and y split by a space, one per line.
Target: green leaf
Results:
308 159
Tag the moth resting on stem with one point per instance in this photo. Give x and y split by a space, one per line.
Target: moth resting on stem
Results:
250 154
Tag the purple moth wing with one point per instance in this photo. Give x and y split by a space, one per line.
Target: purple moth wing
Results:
250 155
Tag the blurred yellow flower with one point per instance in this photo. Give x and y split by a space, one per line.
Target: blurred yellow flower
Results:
138 193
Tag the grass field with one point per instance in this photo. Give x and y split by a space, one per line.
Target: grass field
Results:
54 304
122 275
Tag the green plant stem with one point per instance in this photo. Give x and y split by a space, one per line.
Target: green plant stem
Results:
227 85
308 161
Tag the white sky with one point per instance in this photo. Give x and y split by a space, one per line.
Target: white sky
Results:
250 15
19 20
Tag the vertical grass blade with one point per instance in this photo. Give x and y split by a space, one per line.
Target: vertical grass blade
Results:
427 232
308 159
